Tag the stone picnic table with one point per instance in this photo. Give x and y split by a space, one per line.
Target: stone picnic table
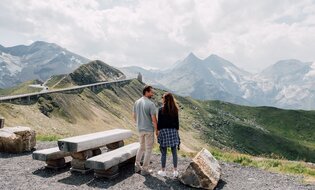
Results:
84 147
81 148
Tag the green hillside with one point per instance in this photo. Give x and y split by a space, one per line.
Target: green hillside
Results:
261 130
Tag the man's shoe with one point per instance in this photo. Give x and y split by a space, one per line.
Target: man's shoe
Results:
146 172
137 168
162 173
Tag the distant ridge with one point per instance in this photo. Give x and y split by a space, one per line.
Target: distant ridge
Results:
40 60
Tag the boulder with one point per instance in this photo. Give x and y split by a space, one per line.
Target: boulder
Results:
17 139
203 172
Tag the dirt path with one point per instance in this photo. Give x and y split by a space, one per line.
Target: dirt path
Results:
21 172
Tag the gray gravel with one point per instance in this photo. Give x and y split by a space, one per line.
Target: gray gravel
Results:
19 171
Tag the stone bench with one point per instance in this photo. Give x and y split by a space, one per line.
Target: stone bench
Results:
54 158
107 164
86 146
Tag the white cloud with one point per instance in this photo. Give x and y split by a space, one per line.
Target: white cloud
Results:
251 34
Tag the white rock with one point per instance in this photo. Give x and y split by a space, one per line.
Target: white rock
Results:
203 172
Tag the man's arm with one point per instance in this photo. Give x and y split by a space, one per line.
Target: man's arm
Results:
154 121
153 117
134 116
134 113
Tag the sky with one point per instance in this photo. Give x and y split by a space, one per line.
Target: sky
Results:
155 34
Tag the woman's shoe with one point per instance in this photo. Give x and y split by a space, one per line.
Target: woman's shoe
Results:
137 168
162 173
175 174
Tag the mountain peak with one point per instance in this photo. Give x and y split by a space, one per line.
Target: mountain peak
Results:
40 44
287 71
37 60
215 59
95 71
288 62
213 56
191 54
191 57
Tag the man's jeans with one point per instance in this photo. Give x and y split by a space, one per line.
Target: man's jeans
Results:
146 145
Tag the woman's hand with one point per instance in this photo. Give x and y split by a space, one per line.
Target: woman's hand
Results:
157 133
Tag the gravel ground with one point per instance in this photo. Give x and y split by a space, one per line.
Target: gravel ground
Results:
19 171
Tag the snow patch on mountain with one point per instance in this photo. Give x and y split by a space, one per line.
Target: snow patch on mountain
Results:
40 60
311 73
12 63
285 84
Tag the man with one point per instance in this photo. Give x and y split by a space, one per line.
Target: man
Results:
144 113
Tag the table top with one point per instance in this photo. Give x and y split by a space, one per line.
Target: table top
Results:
93 140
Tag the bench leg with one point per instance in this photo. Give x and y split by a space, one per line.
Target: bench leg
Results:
79 158
97 152
78 165
56 164
111 173
115 145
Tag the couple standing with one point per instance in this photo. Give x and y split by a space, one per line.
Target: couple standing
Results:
165 127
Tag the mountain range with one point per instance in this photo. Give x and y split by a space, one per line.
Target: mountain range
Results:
286 84
40 60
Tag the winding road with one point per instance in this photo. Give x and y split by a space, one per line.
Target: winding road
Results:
92 86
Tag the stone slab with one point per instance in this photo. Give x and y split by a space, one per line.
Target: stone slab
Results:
112 158
93 140
49 154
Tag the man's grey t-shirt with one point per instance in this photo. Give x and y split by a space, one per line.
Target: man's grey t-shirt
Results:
144 108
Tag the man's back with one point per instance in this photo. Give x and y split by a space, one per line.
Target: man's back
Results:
144 108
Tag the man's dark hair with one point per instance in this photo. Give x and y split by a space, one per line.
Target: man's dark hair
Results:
147 88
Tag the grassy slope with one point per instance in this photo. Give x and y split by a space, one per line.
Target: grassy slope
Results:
263 130
209 124
257 131
20 89
55 82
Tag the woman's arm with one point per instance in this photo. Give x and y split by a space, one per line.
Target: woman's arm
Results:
159 120
177 122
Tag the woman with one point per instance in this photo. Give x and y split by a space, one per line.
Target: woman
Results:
168 126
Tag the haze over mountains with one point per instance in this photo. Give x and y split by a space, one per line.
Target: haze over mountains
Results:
286 84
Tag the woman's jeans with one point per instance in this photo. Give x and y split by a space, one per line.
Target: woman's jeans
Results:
163 157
